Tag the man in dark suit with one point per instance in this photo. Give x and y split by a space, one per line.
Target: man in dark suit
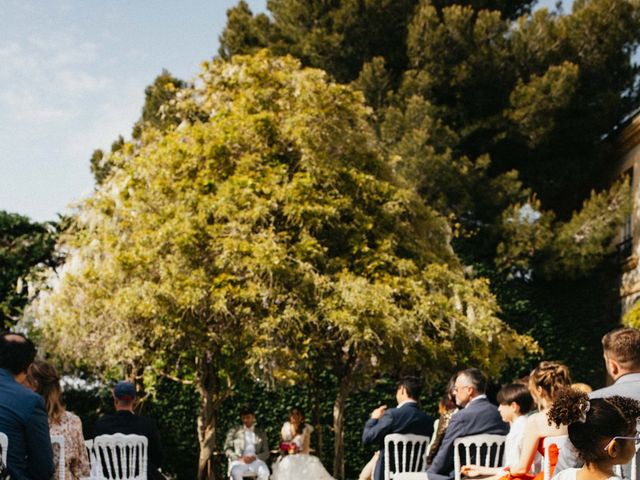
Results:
23 417
477 416
405 418
126 422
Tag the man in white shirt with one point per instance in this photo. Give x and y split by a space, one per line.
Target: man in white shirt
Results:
247 448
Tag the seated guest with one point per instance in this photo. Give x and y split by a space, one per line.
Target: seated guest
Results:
44 379
405 418
515 402
477 415
23 417
125 421
296 440
446 408
602 430
545 381
622 360
247 447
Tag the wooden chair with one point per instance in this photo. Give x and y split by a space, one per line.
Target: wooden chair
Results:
474 445
404 454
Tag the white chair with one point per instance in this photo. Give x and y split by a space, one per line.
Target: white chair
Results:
122 457
57 443
559 442
411 476
4 445
493 445
407 453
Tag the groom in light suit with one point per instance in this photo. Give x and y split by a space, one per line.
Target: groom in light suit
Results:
405 418
477 416
247 448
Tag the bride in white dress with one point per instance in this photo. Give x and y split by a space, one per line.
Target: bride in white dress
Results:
297 464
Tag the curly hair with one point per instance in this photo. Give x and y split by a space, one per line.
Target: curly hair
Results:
550 377
590 422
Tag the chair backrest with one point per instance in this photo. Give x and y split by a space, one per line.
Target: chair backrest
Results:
122 457
474 446
57 444
404 453
559 442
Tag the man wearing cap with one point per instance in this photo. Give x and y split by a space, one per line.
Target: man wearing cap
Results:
126 422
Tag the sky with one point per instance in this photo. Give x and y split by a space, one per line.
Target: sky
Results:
73 74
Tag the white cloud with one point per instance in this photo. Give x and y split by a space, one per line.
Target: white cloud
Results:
80 83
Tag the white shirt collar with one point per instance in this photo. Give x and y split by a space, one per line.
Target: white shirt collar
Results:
405 403
476 398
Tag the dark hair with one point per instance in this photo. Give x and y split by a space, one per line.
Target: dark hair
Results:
412 385
247 409
300 428
623 345
476 378
551 377
592 421
17 352
518 393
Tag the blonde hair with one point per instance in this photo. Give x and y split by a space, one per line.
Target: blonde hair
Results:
45 379
550 377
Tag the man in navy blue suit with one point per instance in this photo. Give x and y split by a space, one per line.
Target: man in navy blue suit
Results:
23 417
477 416
405 418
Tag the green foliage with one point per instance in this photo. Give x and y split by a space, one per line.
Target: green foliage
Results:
24 246
339 37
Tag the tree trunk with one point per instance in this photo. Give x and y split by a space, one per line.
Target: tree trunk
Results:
209 394
338 427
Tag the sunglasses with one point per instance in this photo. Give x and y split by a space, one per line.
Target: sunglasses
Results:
636 438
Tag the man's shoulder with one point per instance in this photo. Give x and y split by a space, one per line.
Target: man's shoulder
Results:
627 386
23 398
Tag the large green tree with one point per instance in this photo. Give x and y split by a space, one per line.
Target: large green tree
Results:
266 227
499 115
24 246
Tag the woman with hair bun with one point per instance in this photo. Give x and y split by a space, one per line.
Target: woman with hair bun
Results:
545 381
603 431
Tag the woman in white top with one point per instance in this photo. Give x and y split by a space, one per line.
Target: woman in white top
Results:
515 402
296 463
602 430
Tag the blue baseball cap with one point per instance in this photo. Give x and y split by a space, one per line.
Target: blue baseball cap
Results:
124 390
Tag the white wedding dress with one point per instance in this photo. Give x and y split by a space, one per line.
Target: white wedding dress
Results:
296 466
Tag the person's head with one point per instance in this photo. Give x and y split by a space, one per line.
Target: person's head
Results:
124 395
247 416
17 352
447 401
408 388
594 424
469 384
44 379
621 348
514 400
296 415
546 380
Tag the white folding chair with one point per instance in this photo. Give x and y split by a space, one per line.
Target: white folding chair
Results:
407 453
559 441
4 445
473 446
121 457
57 443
